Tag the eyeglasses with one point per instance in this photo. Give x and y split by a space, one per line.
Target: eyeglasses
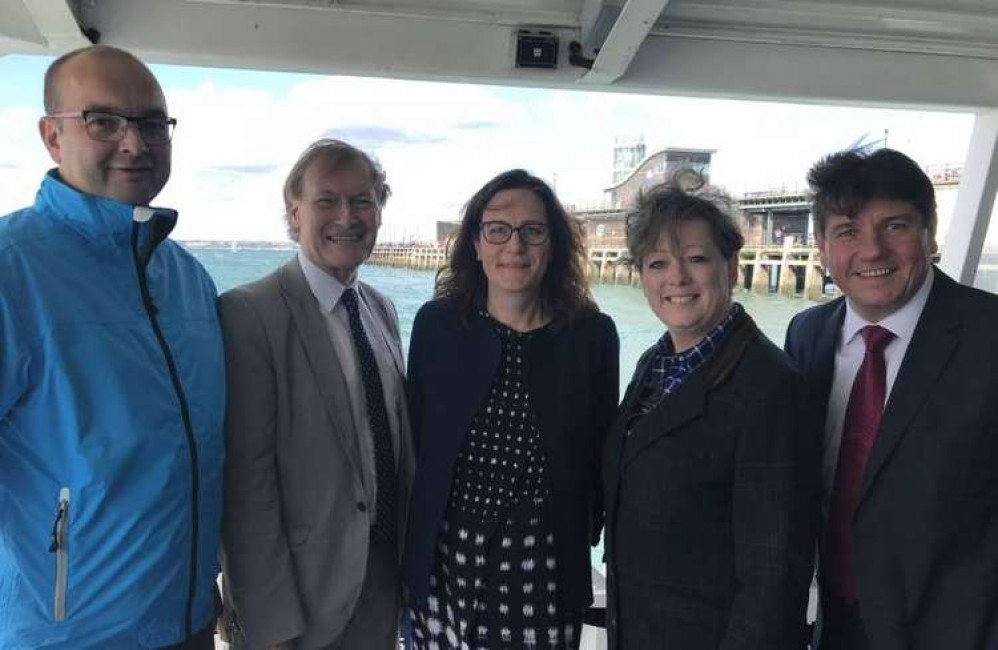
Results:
500 232
104 126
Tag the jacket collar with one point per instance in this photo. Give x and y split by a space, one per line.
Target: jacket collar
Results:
96 217
690 399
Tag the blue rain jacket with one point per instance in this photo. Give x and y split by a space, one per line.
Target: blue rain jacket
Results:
111 408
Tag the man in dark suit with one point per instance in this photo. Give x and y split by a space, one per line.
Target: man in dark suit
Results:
904 368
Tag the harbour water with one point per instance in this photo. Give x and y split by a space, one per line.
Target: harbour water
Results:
409 289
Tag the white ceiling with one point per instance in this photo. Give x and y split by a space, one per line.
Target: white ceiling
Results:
916 53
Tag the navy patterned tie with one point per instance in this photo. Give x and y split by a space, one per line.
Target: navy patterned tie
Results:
385 527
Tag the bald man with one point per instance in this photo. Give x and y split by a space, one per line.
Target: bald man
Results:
111 383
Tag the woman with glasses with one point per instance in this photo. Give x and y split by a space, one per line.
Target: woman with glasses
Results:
711 469
512 385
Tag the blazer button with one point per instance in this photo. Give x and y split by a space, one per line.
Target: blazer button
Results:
361 506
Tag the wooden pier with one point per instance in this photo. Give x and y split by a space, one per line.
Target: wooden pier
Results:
786 270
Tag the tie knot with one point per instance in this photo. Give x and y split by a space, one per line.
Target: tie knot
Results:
876 338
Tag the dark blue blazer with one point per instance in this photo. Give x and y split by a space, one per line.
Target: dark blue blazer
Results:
925 533
573 379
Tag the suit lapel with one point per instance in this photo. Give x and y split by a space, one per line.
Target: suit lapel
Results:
322 359
932 344
375 306
822 368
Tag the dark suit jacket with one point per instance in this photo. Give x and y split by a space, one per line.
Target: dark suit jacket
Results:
925 533
573 379
710 506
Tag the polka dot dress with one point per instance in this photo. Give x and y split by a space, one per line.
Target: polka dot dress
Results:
493 584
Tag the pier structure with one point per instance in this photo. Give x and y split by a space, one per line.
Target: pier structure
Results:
427 257
786 270
778 256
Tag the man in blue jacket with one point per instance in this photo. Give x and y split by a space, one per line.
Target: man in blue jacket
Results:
111 384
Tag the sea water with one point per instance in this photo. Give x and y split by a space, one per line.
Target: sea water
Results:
637 326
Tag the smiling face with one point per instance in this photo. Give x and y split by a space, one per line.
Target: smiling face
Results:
879 258
514 267
688 282
129 171
337 216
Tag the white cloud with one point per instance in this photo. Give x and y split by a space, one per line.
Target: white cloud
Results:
23 159
440 142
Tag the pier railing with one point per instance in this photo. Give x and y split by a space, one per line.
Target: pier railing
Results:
789 271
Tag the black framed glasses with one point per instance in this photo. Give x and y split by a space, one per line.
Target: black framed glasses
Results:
105 126
500 232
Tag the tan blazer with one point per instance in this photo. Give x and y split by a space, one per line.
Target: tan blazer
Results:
298 510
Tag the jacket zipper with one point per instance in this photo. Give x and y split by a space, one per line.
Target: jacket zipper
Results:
151 311
58 546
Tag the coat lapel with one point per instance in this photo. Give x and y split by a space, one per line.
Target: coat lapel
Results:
614 446
932 344
322 359
690 400
686 404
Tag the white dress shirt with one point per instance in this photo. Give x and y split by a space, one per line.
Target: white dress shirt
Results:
328 291
849 354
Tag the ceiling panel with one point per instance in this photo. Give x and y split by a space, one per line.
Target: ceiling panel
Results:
954 27
910 53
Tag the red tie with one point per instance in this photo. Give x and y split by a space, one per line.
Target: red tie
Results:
859 431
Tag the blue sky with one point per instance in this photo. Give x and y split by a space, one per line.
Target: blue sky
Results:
240 131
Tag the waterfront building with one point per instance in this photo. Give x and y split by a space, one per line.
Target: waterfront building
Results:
628 152
652 170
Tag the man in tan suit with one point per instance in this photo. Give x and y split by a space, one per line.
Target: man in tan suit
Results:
319 458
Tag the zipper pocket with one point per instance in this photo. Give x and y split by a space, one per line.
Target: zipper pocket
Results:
58 546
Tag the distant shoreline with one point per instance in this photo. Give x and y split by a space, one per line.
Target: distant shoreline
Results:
236 243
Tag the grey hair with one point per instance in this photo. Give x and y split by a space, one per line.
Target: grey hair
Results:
338 153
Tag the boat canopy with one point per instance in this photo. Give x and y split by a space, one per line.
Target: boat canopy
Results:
916 54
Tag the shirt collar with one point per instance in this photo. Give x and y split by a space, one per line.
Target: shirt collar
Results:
901 323
95 216
704 347
326 288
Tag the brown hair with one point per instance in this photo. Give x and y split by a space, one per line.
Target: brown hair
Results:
843 183
686 196
564 289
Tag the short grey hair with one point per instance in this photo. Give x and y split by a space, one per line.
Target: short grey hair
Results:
339 154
